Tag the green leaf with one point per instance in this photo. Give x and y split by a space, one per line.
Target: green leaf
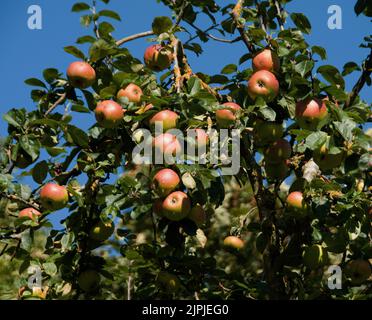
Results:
108 92
161 25
320 51
345 128
301 22
80 6
50 75
110 14
304 67
40 172
55 151
230 68
79 136
349 68
30 146
332 75
316 139
35 82
194 85
105 28
268 113
86 20
50 268
26 240
74 51
80 108
85 39
99 50
360 6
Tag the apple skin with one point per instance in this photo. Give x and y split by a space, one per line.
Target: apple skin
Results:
168 282
101 231
167 144
266 60
295 201
310 112
53 196
276 171
358 271
156 59
263 84
132 92
176 206
89 280
314 256
267 132
81 75
167 118
198 215
327 161
234 242
109 114
165 181
227 117
279 150
29 213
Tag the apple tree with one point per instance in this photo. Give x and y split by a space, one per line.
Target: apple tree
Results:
298 203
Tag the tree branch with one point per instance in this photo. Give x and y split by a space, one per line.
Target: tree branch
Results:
61 99
236 14
279 11
211 35
134 36
366 73
16 198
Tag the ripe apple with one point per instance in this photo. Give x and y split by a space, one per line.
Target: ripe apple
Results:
89 280
167 144
266 60
233 242
168 282
295 200
263 84
277 170
358 271
277 151
53 196
165 181
157 58
327 161
314 256
109 114
132 92
198 215
101 231
310 112
266 132
167 118
227 117
81 75
176 206
29 213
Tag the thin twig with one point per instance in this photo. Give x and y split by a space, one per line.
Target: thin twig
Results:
3 250
367 71
177 70
61 99
16 198
279 16
134 36
236 13
212 36
95 21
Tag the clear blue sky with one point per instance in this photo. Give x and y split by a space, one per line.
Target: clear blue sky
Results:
25 53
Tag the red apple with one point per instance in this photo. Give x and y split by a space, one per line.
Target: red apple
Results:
227 117
266 60
81 75
176 206
165 181
30 213
109 114
198 215
157 58
53 196
233 242
277 170
132 92
279 150
263 84
310 112
167 144
295 200
167 118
